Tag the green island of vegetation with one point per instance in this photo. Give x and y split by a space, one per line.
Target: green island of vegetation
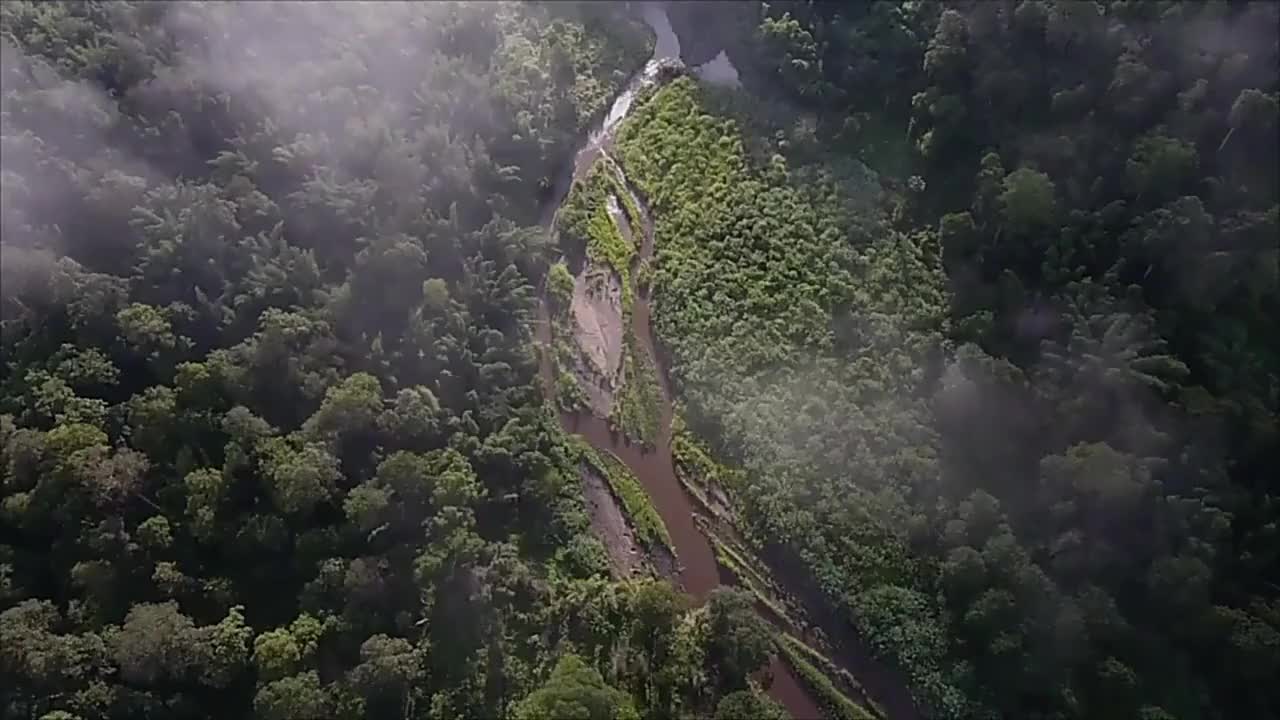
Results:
834 701
638 409
635 501
588 232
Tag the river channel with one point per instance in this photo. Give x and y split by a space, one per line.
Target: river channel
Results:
699 572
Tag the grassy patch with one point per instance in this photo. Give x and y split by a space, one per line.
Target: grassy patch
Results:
628 200
638 410
644 275
832 700
741 564
750 573
832 670
569 394
635 501
696 491
692 460
587 231
699 471
747 577
565 355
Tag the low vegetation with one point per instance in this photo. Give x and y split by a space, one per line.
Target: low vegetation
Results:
588 232
639 509
748 576
569 394
833 701
637 410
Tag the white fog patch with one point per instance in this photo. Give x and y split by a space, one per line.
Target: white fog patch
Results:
719 71
57 136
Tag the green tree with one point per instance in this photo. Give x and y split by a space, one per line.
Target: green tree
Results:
156 643
276 654
390 670
297 697
1254 113
152 415
575 690
739 641
793 53
349 408
205 490
224 649
149 332
749 705
299 475
156 533
1160 166
413 420
560 286
1027 202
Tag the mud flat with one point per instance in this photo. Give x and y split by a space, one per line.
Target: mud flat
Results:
597 333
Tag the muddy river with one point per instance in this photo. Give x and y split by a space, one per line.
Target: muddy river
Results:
698 572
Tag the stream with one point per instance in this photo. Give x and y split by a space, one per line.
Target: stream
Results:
699 572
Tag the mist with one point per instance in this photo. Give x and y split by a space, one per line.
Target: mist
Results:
966 310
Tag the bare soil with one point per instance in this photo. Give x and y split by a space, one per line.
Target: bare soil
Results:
598 332
626 557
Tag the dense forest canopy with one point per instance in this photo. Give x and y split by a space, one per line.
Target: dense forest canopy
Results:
968 310
1050 494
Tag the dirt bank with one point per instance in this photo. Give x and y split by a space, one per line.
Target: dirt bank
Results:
596 312
626 557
